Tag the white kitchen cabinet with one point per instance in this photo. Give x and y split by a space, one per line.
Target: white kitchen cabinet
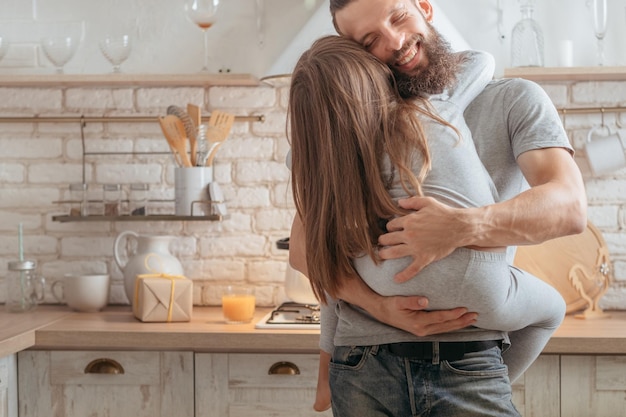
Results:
537 393
243 385
105 383
593 386
8 386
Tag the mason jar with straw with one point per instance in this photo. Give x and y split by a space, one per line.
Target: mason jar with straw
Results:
24 288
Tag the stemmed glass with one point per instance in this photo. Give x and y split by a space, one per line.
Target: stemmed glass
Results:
61 45
116 49
202 13
4 45
599 25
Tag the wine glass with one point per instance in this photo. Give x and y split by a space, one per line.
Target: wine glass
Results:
116 49
62 42
4 45
599 25
202 13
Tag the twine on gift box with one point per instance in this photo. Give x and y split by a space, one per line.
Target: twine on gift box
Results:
162 275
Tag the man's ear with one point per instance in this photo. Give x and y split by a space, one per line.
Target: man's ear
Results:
427 9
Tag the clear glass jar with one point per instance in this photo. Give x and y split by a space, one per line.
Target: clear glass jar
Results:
527 39
24 288
112 199
138 199
78 199
95 200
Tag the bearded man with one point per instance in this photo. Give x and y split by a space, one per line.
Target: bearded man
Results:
521 142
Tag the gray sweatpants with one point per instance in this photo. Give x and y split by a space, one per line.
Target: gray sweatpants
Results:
504 297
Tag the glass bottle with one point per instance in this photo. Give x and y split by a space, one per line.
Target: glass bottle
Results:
527 39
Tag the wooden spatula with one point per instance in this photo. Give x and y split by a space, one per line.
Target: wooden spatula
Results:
220 124
174 132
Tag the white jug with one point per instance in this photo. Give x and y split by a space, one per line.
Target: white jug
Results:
151 256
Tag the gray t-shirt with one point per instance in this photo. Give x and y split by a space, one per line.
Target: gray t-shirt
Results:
506 119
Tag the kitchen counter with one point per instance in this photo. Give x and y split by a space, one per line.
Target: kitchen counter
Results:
115 328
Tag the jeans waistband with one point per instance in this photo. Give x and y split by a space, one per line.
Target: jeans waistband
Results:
447 351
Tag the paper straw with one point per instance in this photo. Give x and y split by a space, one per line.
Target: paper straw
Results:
20 242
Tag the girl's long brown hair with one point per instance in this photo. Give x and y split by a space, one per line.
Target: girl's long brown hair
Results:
344 117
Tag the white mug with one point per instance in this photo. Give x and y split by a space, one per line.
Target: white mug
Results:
87 293
604 153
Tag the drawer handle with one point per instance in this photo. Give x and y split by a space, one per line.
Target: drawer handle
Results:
104 366
284 368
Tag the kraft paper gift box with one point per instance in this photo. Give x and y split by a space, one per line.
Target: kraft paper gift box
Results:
163 298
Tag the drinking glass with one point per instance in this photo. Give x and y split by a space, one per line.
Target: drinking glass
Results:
60 45
599 25
116 49
202 13
4 45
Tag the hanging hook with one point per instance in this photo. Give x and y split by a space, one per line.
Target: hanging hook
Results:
602 114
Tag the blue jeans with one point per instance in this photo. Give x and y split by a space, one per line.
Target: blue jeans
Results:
370 381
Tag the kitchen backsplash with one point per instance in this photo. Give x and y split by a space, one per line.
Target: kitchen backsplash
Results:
39 161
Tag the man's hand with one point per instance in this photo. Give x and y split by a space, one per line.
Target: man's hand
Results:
432 232
406 313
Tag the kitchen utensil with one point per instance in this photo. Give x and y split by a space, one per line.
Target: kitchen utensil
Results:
220 124
174 132
190 130
195 113
151 256
562 262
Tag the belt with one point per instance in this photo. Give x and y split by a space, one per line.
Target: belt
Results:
446 351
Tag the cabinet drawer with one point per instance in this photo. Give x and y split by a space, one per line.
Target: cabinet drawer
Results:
105 383
242 385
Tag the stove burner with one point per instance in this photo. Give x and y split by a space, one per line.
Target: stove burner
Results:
296 313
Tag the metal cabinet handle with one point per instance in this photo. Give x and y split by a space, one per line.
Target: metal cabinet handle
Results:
104 366
284 368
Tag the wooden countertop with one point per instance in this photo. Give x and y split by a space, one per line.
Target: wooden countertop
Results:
56 327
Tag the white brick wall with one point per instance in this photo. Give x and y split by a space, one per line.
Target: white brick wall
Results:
38 161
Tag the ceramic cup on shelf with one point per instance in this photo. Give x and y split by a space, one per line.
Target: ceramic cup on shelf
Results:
88 293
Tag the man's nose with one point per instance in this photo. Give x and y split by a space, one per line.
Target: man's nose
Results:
395 40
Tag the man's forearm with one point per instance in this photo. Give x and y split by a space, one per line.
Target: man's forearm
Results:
555 206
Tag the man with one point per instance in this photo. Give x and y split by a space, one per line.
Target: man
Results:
517 134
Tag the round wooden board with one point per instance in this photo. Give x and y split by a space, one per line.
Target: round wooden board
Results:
552 260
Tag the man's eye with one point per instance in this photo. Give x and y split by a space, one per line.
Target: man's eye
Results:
400 17
369 44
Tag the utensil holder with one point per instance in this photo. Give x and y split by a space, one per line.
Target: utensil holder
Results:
190 191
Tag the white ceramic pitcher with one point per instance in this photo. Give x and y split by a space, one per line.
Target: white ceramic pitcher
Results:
151 256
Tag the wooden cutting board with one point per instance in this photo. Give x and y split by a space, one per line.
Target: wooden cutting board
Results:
552 261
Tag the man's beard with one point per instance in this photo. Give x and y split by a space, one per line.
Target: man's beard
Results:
440 72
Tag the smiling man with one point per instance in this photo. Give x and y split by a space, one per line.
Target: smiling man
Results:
520 140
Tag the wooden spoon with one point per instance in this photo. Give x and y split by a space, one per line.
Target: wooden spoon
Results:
174 132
